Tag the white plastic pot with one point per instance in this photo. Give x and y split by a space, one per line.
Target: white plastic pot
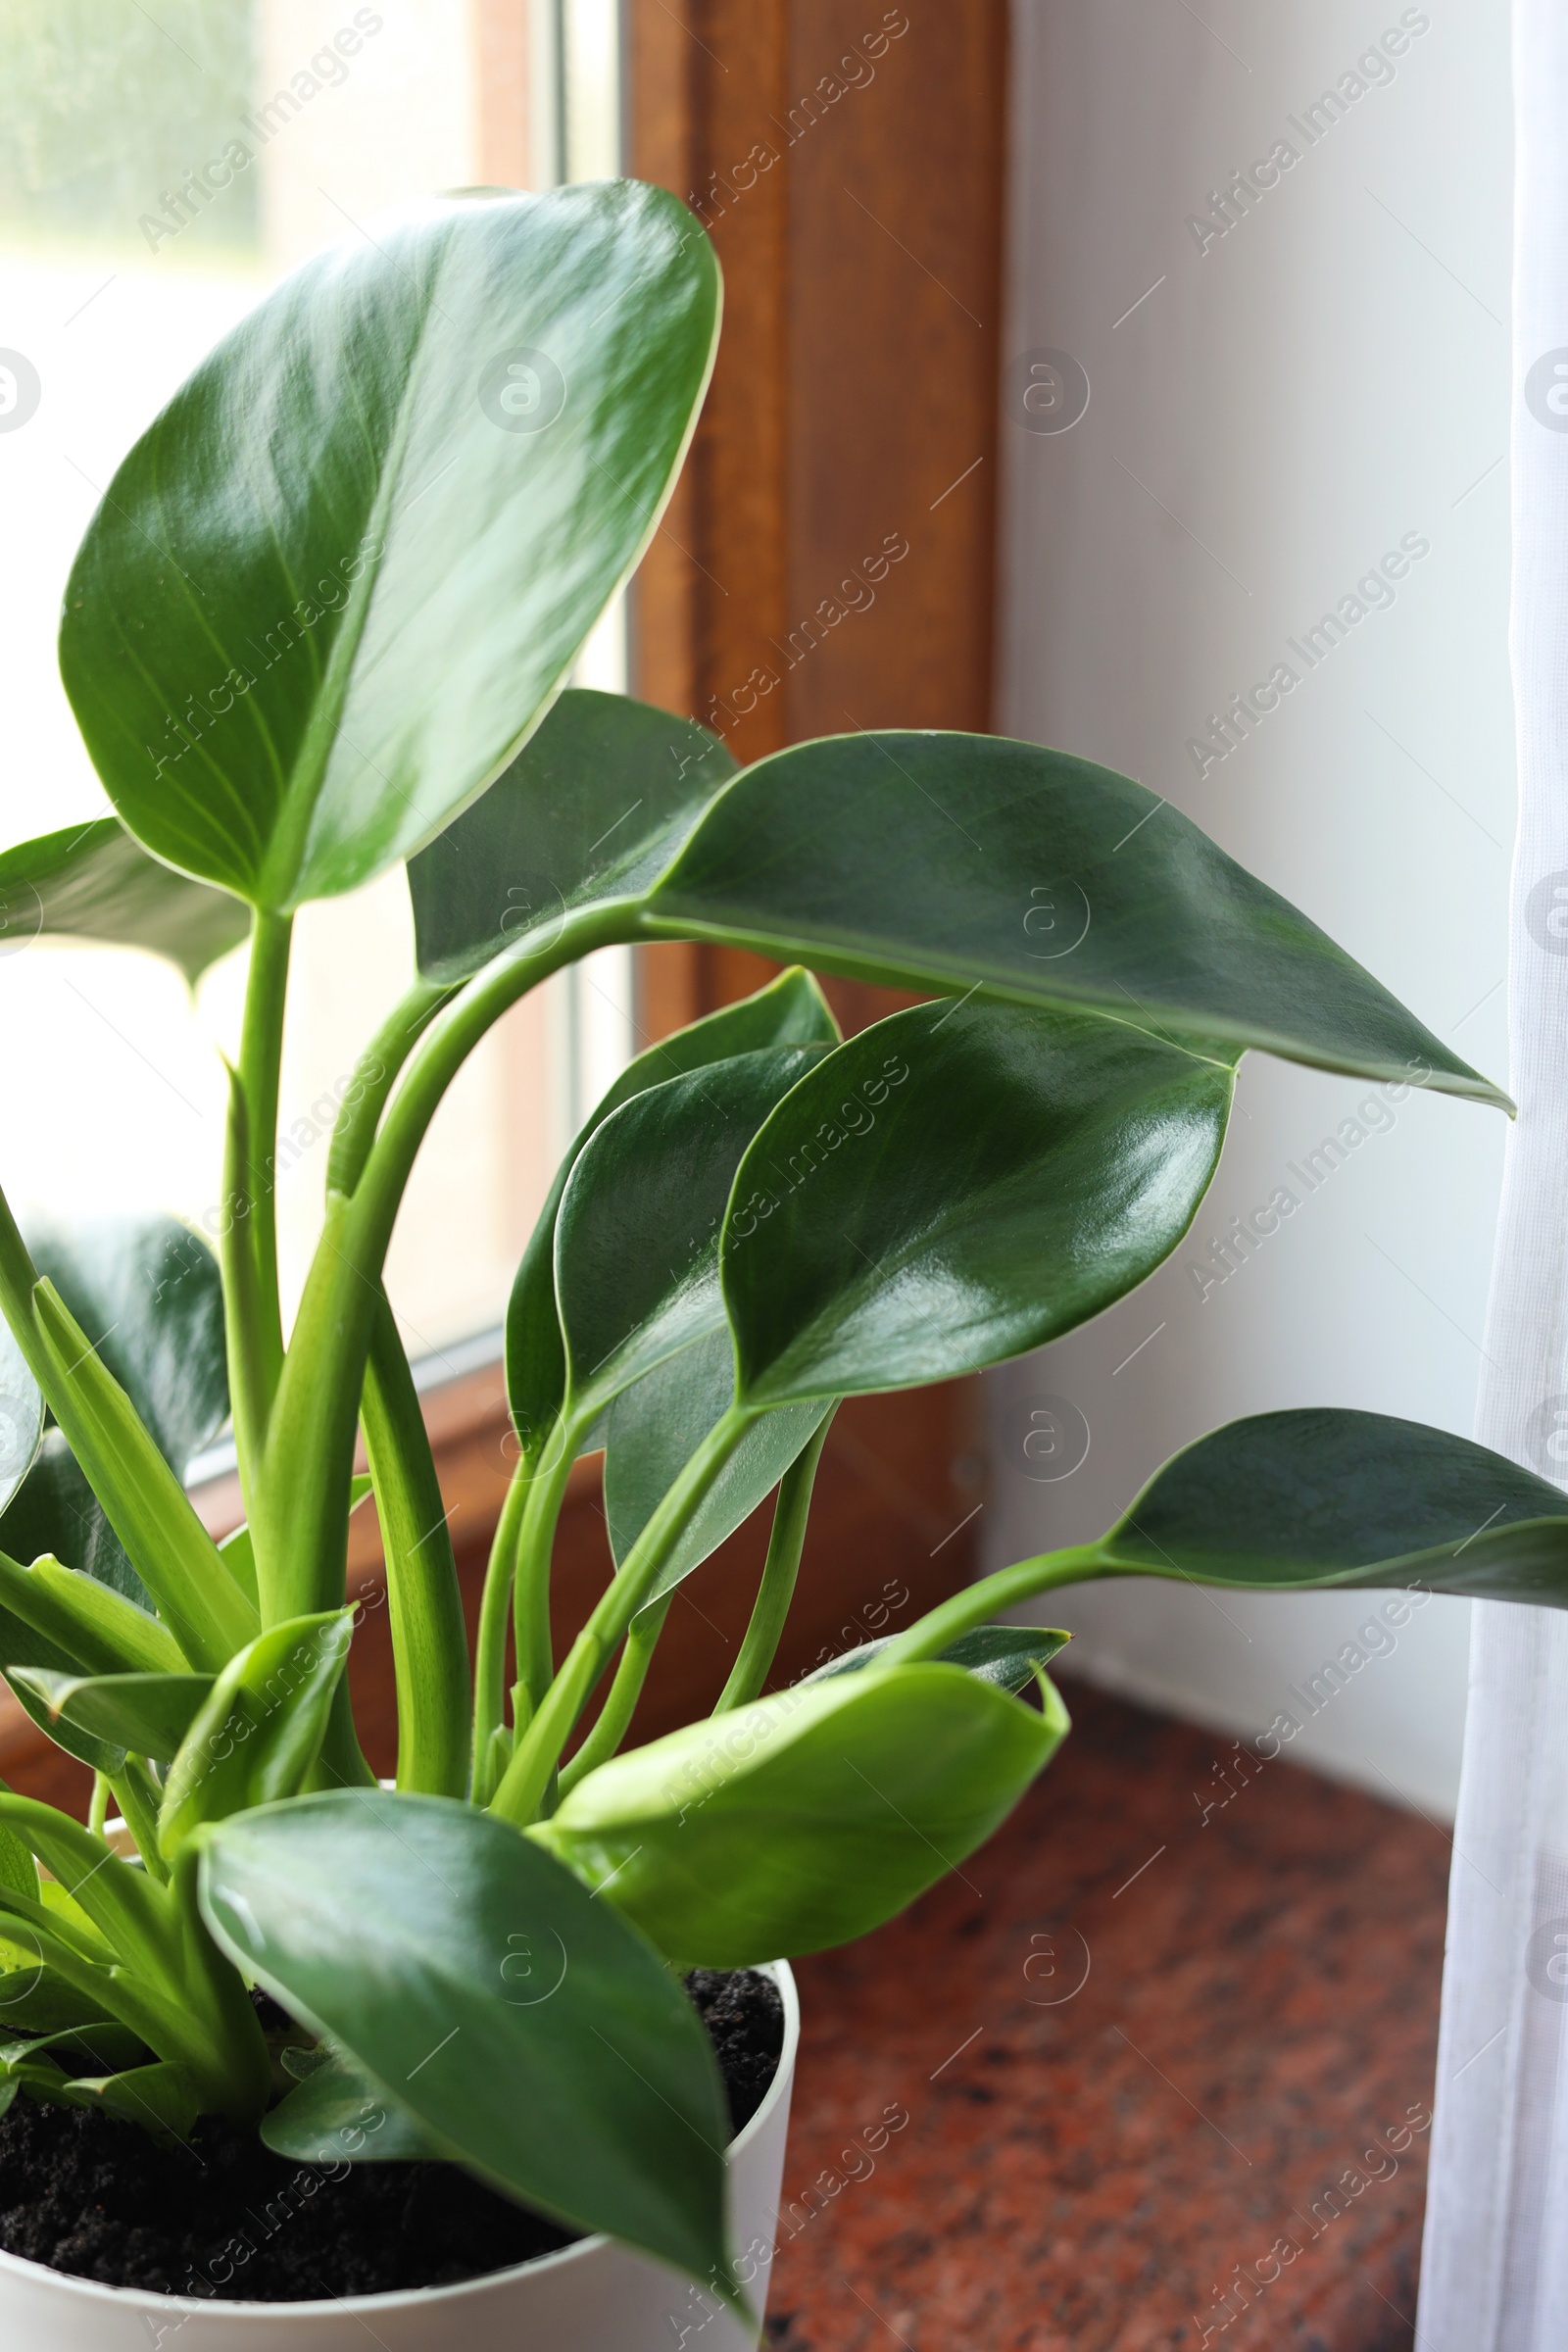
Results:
596 2296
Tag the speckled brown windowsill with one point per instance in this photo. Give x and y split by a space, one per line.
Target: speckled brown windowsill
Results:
1259 2013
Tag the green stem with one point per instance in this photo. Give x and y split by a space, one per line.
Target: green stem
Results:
261 1061
495 1616
527 1777
239 2069
620 1703
137 1798
373 1074
536 1537
779 1571
341 1763
302 1501
98 1810
429 1640
978 1603
243 1316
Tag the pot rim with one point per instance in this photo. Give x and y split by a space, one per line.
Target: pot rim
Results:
181 2307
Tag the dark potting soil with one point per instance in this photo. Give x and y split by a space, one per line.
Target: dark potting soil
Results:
225 2219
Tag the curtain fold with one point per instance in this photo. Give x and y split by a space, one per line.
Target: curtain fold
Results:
1495 2271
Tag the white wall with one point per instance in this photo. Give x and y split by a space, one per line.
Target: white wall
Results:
1282 410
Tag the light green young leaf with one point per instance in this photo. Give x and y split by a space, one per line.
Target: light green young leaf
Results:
143 1499
99 1755
339 580
146 1714
102 2044
1009 1655
258 1732
162 2099
68 1619
806 1819
340 2115
148 1291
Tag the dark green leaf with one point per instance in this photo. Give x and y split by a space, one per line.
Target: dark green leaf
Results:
20 1416
1009 1655
593 807
336 584
805 1819
95 882
654 1428
949 860
637 1233
149 1294
1299 1500
56 1514
340 2115
955 1184
789 1012
258 1731
478 1984
148 1714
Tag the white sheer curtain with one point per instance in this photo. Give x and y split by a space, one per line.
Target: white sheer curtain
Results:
1495 2274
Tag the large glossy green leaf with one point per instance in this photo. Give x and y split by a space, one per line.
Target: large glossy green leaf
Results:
791 1010
93 881
148 1292
637 1233
20 1416
656 1425
484 1988
1297 1501
338 581
955 1184
805 1819
258 1731
593 808
949 860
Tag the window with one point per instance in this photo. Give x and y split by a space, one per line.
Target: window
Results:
158 171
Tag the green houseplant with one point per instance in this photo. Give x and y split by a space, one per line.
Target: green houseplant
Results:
318 626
